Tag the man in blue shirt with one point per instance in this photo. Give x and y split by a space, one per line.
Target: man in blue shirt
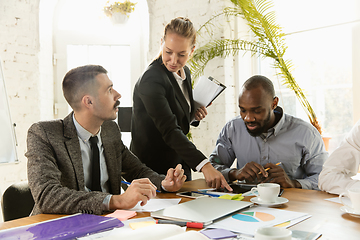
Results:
263 136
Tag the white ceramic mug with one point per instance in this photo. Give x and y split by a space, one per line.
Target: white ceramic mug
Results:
273 233
266 192
354 195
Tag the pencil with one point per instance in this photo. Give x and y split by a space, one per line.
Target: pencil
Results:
266 169
128 183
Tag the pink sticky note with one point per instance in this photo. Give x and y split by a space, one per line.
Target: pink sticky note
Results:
122 215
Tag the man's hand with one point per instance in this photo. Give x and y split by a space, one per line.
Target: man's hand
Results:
174 179
139 190
251 172
214 178
278 175
200 113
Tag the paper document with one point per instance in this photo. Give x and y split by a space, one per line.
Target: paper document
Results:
156 204
346 200
247 221
158 232
206 90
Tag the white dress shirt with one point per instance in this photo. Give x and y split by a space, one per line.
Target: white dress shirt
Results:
85 148
342 165
180 80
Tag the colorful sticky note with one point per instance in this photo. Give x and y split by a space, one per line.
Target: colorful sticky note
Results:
136 225
218 233
122 215
237 197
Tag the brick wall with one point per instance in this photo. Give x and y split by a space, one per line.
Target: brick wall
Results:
27 64
19 51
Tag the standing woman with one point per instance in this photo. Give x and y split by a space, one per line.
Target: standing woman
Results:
163 108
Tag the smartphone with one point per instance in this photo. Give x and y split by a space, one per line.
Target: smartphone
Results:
191 195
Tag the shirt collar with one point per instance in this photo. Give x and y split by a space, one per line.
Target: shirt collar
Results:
182 76
279 125
84 134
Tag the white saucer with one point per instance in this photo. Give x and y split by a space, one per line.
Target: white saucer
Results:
279 201
349 210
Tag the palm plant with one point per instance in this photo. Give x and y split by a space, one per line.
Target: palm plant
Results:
269 43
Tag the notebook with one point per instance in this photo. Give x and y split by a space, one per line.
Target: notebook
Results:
203 210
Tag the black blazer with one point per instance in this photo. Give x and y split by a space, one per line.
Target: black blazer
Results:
161 120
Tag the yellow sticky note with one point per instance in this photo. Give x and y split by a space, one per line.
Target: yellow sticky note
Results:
137 225
226 196
237 197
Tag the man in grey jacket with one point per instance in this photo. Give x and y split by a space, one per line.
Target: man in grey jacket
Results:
60 154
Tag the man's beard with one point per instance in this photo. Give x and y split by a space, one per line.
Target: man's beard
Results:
258 131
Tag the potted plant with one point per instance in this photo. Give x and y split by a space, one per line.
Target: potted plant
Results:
269 43
119 11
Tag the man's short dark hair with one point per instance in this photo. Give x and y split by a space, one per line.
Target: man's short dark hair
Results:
80 81
259 80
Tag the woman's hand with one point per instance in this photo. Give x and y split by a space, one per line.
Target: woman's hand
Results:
200 113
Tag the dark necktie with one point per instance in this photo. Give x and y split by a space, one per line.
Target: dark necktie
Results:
95 165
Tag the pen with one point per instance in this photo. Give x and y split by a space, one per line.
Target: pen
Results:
266 169
128 183
281 192
181 224
209 194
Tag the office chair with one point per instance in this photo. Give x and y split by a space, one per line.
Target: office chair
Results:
124 118
17 201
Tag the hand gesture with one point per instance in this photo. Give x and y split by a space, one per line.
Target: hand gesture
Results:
276 174
174 179
214 178
139 190
251 172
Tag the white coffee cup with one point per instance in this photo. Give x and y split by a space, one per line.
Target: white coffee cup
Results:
266 192
354 195
273 233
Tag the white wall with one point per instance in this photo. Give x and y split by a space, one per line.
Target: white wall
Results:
355 68
19 50
27 62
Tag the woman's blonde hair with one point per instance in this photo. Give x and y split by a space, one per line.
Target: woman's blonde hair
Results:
181 26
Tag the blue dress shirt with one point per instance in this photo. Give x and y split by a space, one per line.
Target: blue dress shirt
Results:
292 141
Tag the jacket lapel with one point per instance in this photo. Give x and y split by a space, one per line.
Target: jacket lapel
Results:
190 91
73 147
178 93
110 159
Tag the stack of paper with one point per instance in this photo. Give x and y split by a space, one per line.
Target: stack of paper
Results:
206 90
247 221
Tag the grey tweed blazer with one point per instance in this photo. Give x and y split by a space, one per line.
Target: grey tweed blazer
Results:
55 170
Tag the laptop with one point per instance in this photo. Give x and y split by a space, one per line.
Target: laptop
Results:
202 210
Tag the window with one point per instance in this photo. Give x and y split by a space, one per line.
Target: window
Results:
115 59
320 48
84 35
